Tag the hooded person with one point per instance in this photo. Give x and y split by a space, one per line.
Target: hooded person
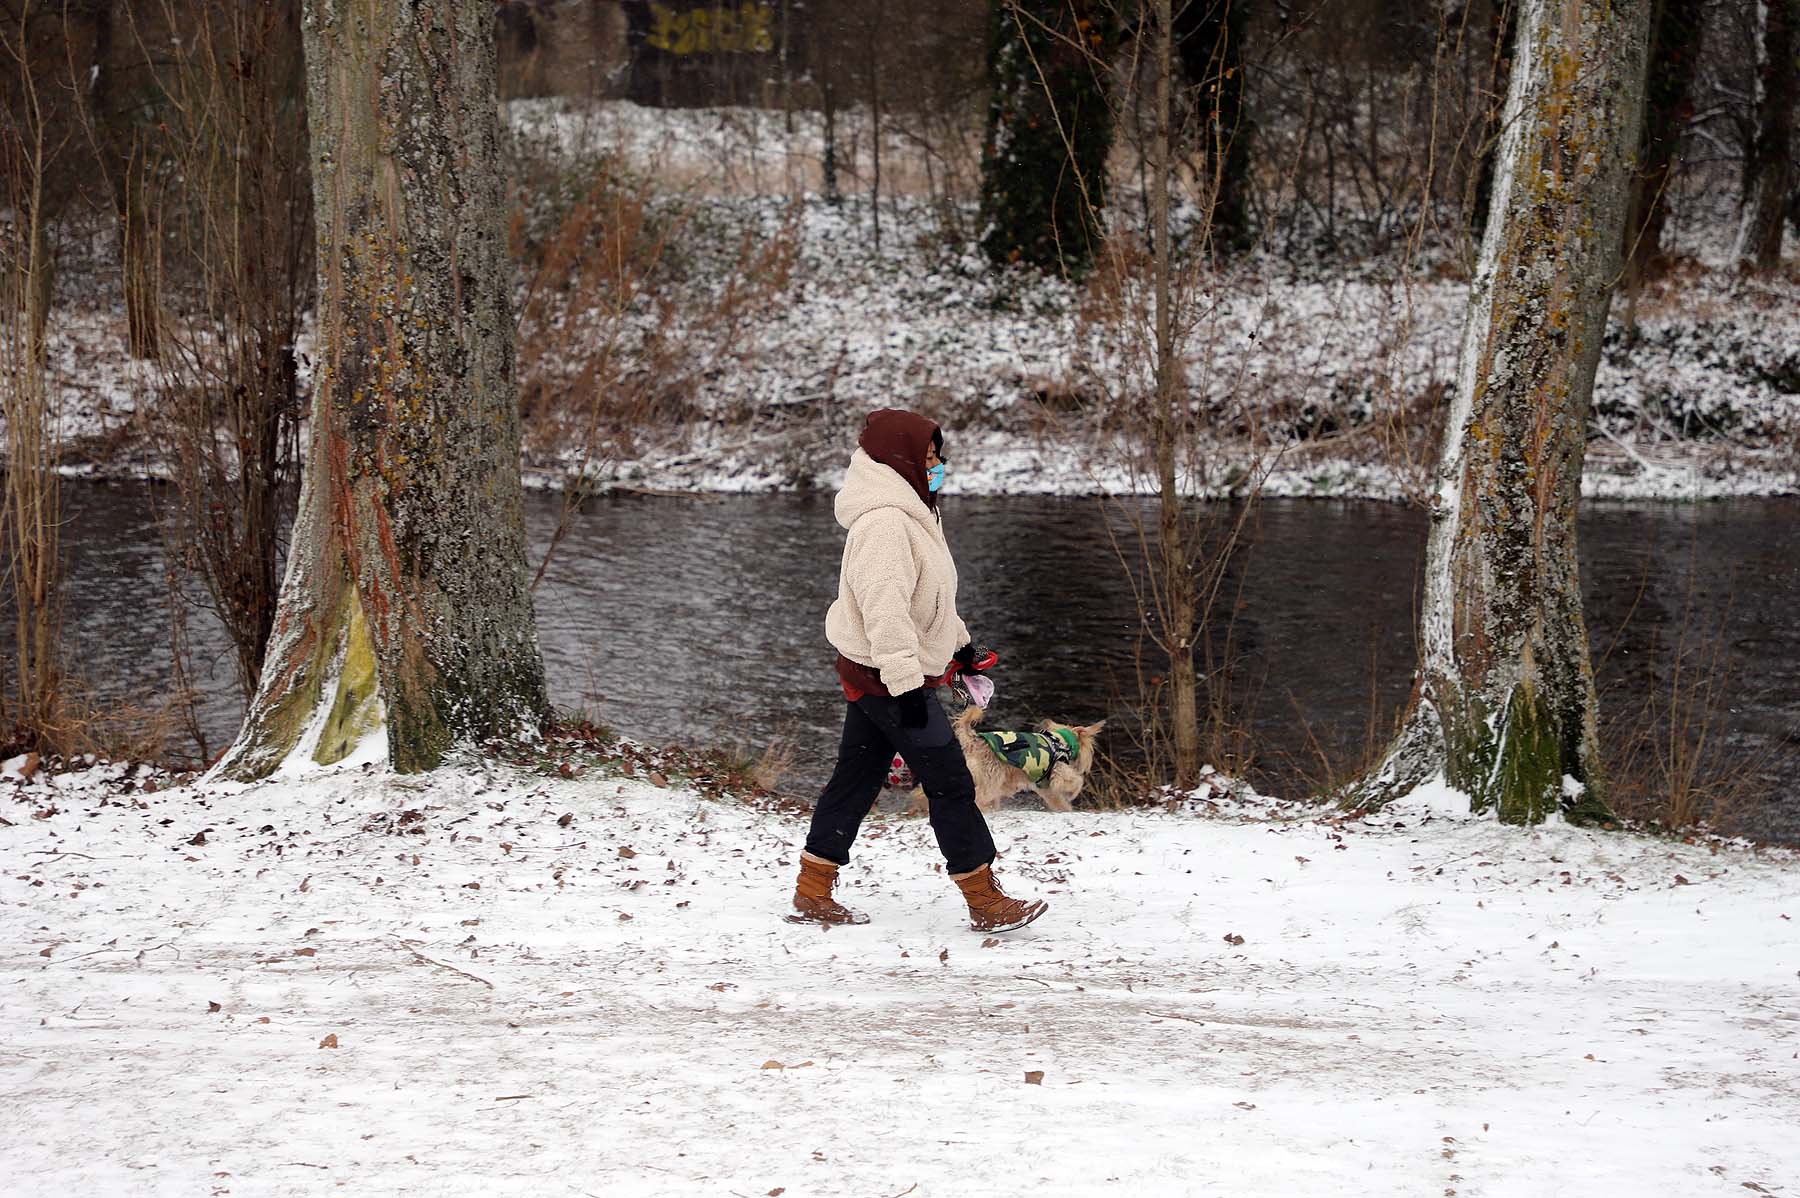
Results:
898 636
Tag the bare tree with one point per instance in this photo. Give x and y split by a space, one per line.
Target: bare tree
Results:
1769 171
1503 702
31 492
1674 52
405 611
1209 41
231 136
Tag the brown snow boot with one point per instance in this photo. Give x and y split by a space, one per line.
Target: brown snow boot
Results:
812 894
989 908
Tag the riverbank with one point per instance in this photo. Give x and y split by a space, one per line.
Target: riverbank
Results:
760 327
485 981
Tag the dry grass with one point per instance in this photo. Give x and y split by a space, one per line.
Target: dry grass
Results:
1669 758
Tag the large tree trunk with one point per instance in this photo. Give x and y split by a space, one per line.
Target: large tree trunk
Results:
1769 175
1049 130
405 606
1504 703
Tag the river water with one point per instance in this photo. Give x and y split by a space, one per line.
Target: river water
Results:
701 620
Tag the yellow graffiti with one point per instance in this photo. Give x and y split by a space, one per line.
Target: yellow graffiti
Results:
721 29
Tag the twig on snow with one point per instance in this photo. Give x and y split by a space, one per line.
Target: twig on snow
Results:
1173 1015
441 965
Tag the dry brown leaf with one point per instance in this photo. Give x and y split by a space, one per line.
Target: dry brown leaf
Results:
306 952
1034 1077
657 778
627 852
47 950
263 1019
212 1007
1233 938
564 820
773 1065
329 1041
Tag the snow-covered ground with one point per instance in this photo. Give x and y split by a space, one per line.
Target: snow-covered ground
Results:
487 982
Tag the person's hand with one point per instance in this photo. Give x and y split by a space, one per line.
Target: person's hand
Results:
973 660
913 712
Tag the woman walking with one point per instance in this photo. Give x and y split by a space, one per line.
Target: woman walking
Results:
898 637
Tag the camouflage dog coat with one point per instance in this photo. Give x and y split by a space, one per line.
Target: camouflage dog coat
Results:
1035 753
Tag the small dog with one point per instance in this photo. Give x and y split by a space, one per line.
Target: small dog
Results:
996 778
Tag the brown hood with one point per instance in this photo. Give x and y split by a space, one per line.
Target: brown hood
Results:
898 439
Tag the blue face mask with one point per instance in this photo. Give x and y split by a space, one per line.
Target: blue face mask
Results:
934 478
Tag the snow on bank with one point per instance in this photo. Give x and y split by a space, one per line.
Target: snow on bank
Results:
610 1004
1324 357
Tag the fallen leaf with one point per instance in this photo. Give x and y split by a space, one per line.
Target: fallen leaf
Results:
1681 881
777 1192
773 1065
656 778
624 915
329 1041
1247 1106
1233 938
212 1007
198 837
471 885
46 951
944 956
567 818
990 942
262 1019
1034 1077
306 884
306 952
627 852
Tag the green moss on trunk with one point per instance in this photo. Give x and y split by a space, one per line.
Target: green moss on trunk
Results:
356 709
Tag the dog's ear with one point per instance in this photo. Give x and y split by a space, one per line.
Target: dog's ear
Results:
1091 729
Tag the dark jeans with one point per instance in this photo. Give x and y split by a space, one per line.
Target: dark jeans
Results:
872 735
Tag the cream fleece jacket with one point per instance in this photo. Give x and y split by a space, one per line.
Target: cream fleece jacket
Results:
896 604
